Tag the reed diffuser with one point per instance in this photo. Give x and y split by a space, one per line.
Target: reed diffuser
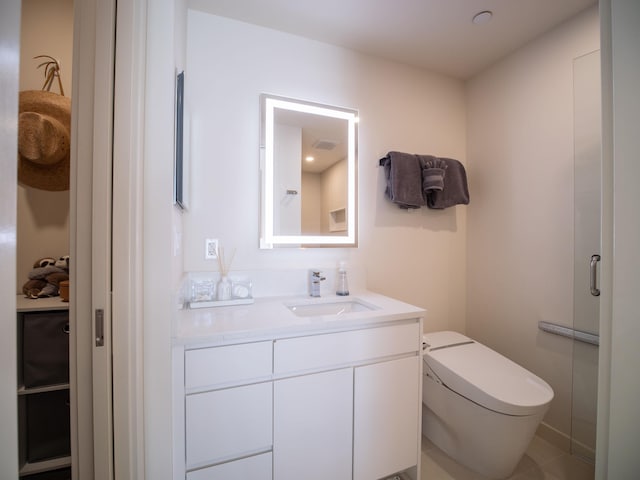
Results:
224 284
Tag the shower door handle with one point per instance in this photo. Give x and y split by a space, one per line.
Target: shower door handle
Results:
595 291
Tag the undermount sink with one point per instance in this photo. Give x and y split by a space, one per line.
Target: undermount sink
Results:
330 307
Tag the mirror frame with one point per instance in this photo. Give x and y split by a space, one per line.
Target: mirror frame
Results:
268 239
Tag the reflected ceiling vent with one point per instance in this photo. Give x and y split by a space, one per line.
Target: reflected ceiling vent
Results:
482 17
324 144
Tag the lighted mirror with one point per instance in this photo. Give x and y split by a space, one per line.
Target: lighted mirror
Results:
308 163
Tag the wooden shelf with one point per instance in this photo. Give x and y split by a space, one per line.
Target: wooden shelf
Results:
36 304
45 465
49 388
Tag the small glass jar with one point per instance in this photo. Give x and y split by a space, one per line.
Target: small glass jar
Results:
224 288
202 291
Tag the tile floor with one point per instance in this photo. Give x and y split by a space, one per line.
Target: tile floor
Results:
542 461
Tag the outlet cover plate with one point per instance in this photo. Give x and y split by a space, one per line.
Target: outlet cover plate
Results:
211 249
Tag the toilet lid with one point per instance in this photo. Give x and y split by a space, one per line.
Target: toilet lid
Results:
484 376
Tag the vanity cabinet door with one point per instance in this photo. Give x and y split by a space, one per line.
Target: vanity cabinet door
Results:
386 418
312 426
257 467
229 423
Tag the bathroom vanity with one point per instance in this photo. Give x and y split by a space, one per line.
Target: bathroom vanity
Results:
291 388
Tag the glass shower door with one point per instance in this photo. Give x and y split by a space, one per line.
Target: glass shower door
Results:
587 210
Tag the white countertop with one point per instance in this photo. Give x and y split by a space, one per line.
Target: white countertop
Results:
270 318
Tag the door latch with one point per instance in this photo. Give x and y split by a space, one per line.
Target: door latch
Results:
99 324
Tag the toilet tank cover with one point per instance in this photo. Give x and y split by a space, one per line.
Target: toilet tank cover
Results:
484 376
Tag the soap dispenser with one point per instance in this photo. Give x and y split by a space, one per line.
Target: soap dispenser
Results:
343 286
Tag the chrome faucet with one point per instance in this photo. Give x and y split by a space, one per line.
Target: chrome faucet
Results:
315 277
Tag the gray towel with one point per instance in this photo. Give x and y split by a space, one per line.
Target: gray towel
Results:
433 172
403 174
455 190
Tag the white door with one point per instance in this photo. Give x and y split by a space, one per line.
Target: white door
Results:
91 239
587 134
101 242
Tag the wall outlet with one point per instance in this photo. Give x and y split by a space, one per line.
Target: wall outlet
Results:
211 249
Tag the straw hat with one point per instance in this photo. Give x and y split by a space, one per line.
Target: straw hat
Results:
43 140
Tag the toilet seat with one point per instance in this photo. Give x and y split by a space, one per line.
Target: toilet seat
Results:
484 376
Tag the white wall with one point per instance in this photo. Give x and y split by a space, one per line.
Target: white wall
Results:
287 176
311 203
162 242
43 216
334 192
520 220
416 256
47 29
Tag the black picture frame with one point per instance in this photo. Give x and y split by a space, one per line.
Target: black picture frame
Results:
178 173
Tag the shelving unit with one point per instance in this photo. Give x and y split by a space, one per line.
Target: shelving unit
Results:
44 448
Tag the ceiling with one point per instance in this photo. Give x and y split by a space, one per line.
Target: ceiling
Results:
434 34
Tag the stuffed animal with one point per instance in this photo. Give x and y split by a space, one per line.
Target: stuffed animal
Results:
44 279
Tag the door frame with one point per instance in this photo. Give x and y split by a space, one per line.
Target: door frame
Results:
618 388
127 237
9 68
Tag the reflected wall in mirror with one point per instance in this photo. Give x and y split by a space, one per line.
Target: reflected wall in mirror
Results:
309 164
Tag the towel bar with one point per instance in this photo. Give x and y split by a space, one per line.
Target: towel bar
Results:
568 332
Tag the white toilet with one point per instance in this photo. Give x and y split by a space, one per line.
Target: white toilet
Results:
481 408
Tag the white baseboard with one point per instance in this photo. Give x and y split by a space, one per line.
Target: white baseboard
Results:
554 437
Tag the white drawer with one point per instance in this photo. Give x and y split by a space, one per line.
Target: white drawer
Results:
326 350
229 364
257 467
227 423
